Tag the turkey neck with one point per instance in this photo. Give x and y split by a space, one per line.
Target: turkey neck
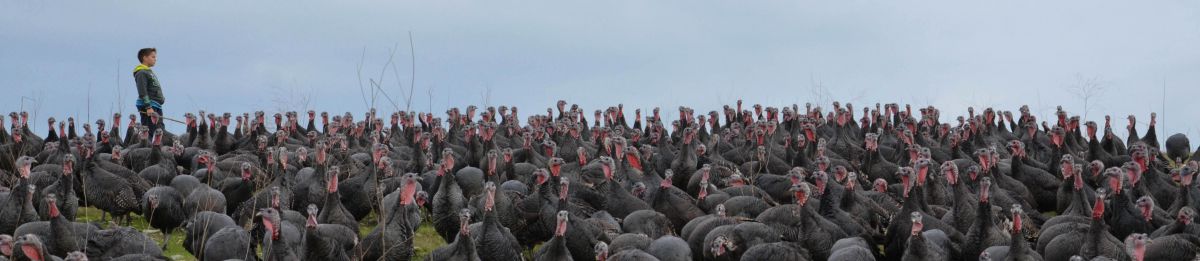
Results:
223 132
1080 203
1184 199
314 244
849 199
67 188
687 151
333 202
446 180
489 217
398 221
1121 202
962 193
1015 170
64 146
71 131
155 154
275 249
562 204
1091 244
873 157
20 193
912 203
918 197
826 206
510 170
917 246
114 133
463 245
280 176
371 182
983 218
418 162
1018 247
64 235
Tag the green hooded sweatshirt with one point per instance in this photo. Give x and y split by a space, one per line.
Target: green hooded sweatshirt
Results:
147 84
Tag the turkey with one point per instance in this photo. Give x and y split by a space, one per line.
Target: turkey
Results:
16 207
463 248
673 202
122 243
204 198
33 248
62 237
1040 183
283 240
983 232
729 242
237 190
327 241
556 248
1017 248
768 183
6 247
776 251
335 212
360 192
229 243
1173 247
851 248
800 223
200 229
1183 223
647 222
64 189
158 167
669 248
164 210
447 200
104 190
1091 241
494 240
926 245
392 240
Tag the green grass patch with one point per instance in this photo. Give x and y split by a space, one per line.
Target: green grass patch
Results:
426 239
174 250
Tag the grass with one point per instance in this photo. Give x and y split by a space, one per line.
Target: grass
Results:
426 240
174 250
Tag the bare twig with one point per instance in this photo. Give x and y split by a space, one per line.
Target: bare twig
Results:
1086 89
486 96
290 97
360 83
385 95
375 91
412 84
411 88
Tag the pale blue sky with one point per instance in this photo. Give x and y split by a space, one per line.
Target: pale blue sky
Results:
263 55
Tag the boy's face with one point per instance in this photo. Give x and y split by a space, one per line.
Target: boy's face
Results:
150 59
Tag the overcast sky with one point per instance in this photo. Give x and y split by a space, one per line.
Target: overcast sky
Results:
268 55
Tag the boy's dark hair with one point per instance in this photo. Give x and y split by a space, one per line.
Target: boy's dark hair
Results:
145 52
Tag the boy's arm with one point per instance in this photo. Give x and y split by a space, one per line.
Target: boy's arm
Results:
143 82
